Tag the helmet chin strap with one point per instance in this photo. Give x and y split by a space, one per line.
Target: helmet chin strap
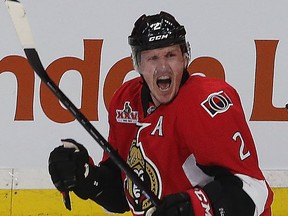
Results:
185 76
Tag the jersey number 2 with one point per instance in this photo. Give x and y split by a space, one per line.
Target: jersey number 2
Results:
242 153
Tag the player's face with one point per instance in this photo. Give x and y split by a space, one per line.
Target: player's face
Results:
162 70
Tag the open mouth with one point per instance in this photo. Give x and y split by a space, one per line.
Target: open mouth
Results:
163 83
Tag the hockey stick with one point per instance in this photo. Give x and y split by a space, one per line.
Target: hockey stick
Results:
21 24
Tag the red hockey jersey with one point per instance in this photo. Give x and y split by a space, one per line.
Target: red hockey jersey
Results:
203 128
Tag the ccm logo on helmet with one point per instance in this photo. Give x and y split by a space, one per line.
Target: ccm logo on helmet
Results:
217 102
158 37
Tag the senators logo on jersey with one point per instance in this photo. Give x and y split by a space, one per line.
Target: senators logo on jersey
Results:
147 172
217 102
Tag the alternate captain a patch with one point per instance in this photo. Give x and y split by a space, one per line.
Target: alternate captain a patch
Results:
217 102
127 115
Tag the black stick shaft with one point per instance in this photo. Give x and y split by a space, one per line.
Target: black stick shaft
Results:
35 62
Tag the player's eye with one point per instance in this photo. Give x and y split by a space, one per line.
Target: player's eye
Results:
170 55
153 58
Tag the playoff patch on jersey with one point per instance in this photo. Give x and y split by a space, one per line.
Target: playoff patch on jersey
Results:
217 102
127 115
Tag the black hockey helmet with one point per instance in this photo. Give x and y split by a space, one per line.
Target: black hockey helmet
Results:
156 31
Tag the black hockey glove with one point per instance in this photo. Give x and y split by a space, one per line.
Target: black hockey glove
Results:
223 196
227 197
69 165
72 169
178 204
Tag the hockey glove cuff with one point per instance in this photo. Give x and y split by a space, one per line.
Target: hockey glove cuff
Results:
178 204
227 196
200 202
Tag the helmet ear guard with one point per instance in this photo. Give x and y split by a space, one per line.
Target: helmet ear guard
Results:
156 31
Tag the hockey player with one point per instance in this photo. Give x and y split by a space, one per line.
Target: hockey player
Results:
185 136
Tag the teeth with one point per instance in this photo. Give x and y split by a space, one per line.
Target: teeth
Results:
163 77
164 82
